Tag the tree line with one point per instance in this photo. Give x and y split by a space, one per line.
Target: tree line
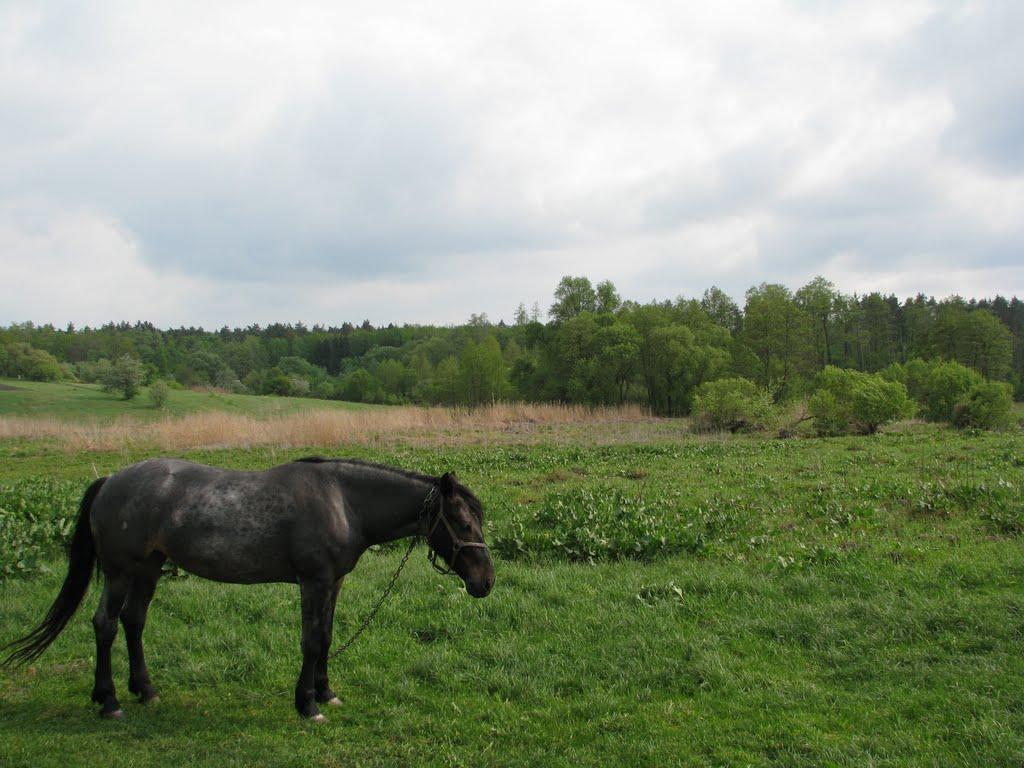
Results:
594 348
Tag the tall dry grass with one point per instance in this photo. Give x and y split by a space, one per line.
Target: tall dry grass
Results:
214 429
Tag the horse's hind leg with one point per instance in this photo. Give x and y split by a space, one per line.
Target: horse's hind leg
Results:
324 694
133 617
104 621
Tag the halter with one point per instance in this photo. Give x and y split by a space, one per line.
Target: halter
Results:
458 544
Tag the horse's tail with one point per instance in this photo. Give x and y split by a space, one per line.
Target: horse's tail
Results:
81 558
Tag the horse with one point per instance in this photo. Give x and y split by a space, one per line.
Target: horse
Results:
306 522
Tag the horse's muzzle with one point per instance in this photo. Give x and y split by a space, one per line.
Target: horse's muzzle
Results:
480 587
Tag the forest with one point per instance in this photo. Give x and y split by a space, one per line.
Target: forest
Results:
591 347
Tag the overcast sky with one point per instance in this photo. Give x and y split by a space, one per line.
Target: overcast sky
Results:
214 163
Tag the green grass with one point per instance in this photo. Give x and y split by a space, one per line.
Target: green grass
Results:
74 402
853 601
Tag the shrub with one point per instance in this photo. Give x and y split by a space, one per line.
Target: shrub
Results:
298 386
158 394
124 377
357 386
226 379
276 382
915 374
732 404
894 372
877 401
943 385
23 361
988 405
848 401
91 371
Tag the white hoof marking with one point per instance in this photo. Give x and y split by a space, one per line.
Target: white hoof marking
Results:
335 702
318 718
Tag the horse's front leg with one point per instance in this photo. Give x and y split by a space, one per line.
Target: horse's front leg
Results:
324 694
316 598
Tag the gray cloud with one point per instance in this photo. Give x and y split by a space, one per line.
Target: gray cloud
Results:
971 52
253 158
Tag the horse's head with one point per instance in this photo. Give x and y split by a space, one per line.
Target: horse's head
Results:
456 535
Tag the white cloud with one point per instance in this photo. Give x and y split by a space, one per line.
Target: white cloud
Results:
82 267
331 161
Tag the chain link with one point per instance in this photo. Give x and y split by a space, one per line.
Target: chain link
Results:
380 601
391 584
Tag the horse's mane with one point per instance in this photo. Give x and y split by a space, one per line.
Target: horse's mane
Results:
467 495
371 465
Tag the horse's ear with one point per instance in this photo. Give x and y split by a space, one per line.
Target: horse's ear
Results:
448 484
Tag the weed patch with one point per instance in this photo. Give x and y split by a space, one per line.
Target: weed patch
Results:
602 523
36 517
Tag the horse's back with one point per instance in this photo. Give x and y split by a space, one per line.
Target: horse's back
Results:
222 524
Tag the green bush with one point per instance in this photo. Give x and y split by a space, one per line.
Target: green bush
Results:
894 372
736 405
847 401
915 375
942 386
23 361
988 405
124 377
92 371
158 394
276 382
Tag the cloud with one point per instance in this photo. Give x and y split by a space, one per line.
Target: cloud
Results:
83 268
407 161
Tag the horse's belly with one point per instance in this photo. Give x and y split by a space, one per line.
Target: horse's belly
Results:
235 571
235 539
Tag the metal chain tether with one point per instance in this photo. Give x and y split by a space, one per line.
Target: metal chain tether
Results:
391 584
380 601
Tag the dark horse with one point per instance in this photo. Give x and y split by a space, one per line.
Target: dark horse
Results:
306 522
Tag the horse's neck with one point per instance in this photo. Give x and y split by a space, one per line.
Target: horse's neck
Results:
385 507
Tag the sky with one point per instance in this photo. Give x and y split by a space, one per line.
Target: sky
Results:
233 163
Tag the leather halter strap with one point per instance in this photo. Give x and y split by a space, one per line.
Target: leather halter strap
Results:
458 543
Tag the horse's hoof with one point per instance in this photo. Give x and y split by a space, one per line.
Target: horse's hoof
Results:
335 702
318 718
117 714
154 699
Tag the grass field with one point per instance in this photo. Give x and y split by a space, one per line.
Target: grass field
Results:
853 601
74 402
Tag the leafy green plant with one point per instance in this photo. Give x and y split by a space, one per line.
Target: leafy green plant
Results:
124 377
847 401
604 523
158 394
36 517
942 385
735 405
987 405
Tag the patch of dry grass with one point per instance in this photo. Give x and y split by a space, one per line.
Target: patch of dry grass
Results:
326 428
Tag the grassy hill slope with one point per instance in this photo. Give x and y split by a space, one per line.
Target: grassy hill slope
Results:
75 402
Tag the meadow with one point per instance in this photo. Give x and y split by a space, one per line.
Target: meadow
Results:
75 401
661 599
